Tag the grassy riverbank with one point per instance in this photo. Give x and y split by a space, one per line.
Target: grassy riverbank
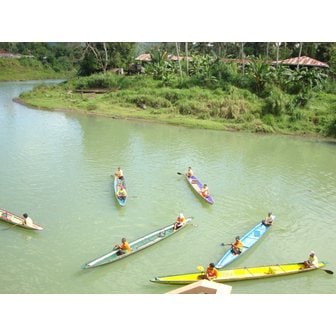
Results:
228 108
19 69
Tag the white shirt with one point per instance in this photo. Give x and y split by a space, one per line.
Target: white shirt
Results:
313 260
28 221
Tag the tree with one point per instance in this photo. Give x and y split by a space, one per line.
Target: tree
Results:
100 56
259 72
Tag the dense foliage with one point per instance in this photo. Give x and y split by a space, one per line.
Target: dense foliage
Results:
232 83
58 56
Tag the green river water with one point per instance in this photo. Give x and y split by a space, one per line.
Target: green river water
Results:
57 167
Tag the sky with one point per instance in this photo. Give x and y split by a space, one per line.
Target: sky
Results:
162 21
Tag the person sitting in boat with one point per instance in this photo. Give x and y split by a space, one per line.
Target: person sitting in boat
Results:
312 260
180 220
205 190
119 174
268 219
122 193
189 172
27 220
211 272
123 248
237 246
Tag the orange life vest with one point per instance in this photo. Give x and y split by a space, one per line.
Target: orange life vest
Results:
212 272
125 246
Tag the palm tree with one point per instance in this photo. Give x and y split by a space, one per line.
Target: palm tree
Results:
178 58
242 55
300 51
187 58
277 44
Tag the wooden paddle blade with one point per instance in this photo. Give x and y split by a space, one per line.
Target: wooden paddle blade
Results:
328 271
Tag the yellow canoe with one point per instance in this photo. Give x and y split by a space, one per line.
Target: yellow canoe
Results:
238 274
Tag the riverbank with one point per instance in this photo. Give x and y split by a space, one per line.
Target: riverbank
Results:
232 109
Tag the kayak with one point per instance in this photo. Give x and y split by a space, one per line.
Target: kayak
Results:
118 182
197 185
249 239
238 274
11 218
137 245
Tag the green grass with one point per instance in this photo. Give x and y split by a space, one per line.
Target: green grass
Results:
12 69
229 109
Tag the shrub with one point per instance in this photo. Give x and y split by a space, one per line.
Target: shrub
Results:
275 104
148 100
297 114
330 128
91 107
186 107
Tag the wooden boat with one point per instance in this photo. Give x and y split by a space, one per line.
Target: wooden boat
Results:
249 239
118 182
11 218
137 245
238 274
197 185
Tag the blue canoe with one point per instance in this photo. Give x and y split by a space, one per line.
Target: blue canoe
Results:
197 185
249 239
116 183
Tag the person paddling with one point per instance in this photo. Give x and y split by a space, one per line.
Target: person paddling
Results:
237 246
205 190
180 220
312 260
27 220
119 173
211 272
123 247
268 221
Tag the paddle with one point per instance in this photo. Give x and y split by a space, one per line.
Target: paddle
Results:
10 227
193 224
327 271
223 244
201 269
179 173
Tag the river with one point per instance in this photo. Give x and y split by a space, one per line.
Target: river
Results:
57 167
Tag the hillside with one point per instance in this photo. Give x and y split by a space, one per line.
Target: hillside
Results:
13 69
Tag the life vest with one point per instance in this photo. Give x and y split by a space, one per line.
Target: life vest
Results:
180 219
125 247
122 192
212 272
205 192
238 244
119 173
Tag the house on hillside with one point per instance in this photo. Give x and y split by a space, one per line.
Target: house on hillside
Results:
303 61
